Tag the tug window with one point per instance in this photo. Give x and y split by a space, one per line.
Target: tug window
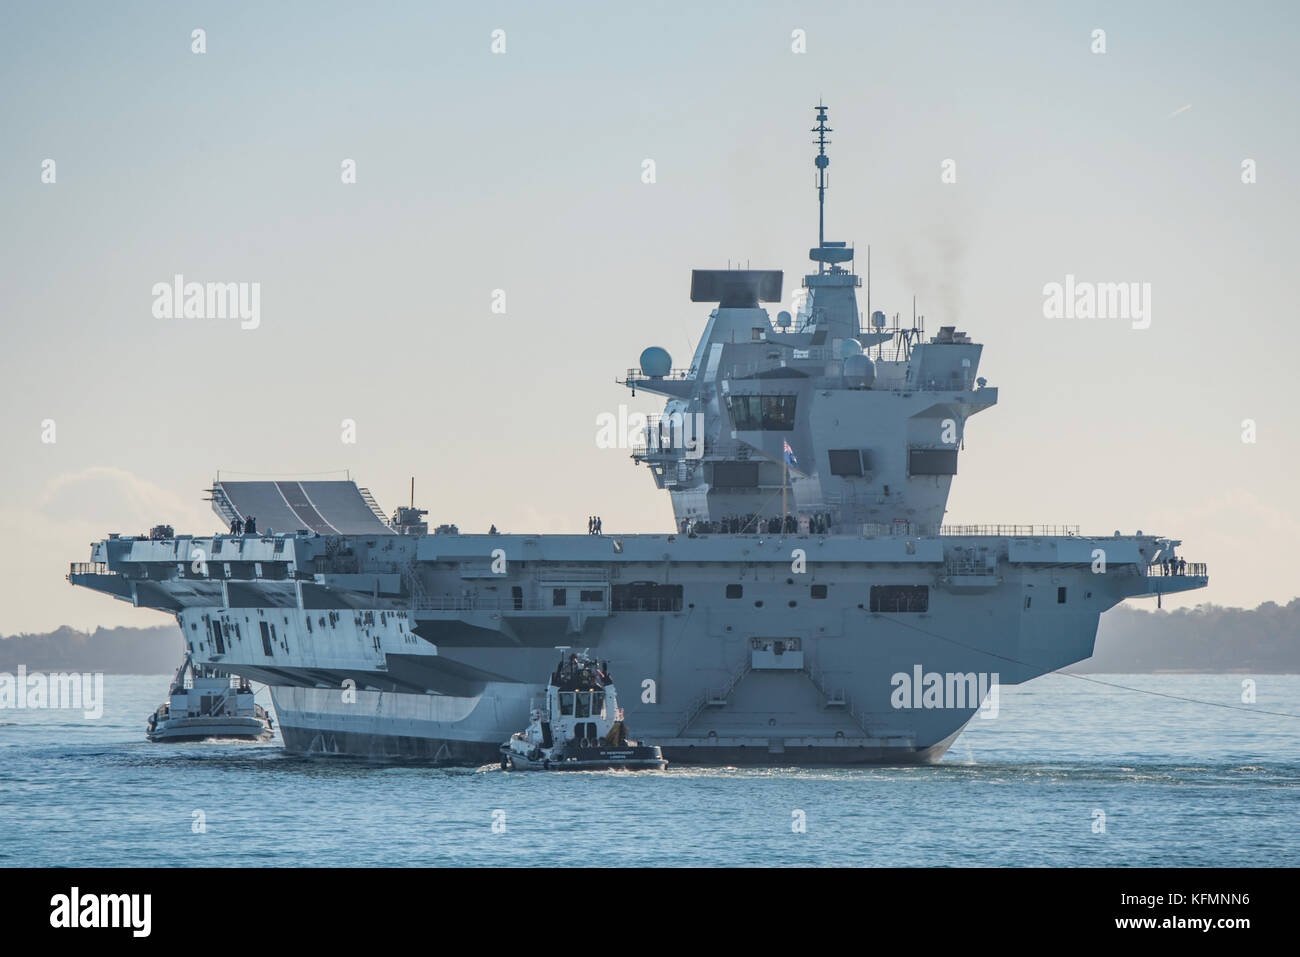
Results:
566 702
598 704
819 591
584 705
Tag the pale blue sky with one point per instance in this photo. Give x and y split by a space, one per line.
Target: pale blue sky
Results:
522 171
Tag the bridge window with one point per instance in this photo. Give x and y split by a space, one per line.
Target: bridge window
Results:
584 705
900 598
598 704
766 413
566 703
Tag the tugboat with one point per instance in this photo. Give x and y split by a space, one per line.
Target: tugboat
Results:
211 705
581 727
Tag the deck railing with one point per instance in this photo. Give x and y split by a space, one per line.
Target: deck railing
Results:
1177 570
1014 531
917 530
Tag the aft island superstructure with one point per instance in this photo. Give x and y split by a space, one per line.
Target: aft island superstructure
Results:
809 607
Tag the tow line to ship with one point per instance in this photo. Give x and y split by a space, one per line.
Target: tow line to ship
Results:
1096 681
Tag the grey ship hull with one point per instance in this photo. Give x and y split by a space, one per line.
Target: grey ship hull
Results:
442 662
324 732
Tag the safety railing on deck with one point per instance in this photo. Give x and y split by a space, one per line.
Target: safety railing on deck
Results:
1178 569
1010 530
917 530
636 375
969 566
88 568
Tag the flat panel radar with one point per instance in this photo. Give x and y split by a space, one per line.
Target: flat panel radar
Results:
736 288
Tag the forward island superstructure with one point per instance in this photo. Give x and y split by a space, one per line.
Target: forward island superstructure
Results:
809 607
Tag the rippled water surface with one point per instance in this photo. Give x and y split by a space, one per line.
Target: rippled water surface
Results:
1178 783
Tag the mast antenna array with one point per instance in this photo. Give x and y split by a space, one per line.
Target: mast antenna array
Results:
821 162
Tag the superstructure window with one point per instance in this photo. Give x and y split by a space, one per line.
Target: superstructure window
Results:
559 597
845 461
900 598
645 596
1060 596
735 591
584 705
762 413
735 474
566 702
818 591
932 462
266 639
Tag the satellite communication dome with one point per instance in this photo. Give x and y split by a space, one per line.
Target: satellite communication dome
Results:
783 319
859 372
878 319
656 362
850 347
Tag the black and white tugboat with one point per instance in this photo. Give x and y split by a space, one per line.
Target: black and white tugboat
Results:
210 704
580 727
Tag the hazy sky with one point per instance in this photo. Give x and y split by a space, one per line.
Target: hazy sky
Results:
522 171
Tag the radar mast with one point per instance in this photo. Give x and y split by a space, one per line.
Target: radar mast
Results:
821 162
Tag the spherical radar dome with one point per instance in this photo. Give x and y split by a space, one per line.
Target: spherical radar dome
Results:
850 347
656 362
859 372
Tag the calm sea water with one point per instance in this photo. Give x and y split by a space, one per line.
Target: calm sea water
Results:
1180 784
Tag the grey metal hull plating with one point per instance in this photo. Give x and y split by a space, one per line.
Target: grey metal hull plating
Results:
751 663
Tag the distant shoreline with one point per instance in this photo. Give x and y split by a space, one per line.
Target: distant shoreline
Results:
1206 640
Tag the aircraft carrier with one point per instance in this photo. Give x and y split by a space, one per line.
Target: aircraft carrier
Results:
810 607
